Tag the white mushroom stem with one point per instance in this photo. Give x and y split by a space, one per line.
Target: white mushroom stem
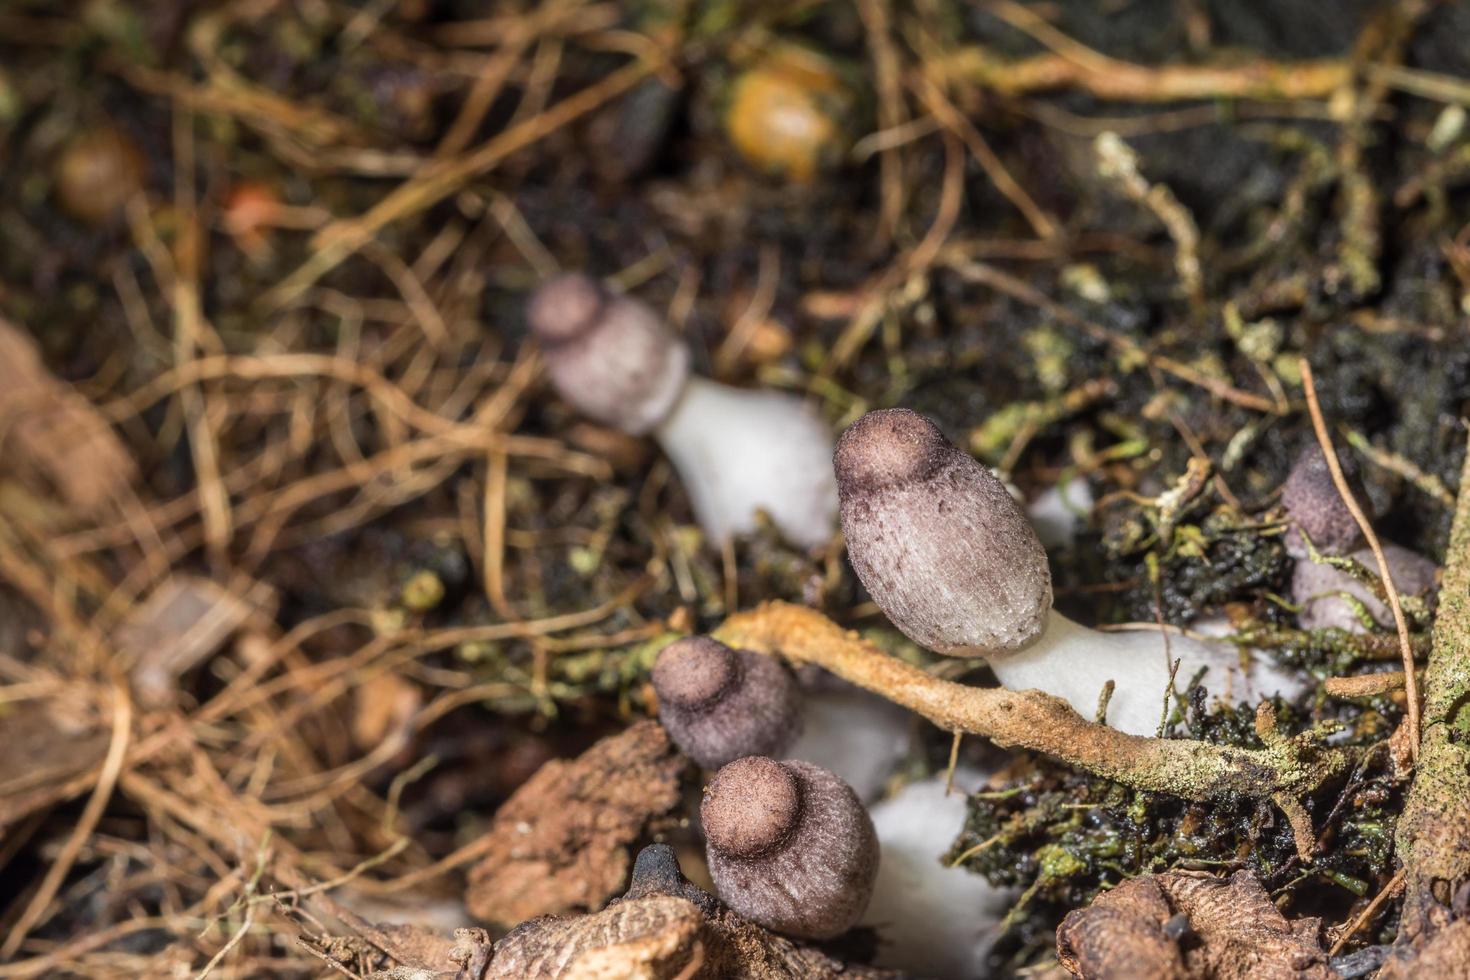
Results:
933 920
859 735
740 451
1074 663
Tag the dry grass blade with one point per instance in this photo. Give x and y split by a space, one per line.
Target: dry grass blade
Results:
1324 438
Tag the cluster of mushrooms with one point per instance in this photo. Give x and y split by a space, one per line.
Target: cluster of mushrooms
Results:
945 551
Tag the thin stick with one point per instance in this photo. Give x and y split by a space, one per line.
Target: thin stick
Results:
1324 438
1389 891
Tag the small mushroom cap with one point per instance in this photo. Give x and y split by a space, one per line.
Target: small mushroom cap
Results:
565 307
694 671
936 539
1315 506
790 846
751 807
610 356
719 704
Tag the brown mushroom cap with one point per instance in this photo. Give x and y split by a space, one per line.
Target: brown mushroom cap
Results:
936 539
565 307
720 704
790 846
752 806
610 356
1315 507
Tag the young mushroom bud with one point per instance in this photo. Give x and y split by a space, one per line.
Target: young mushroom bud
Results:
1316 508
738 452
97 173
719 704
610 356
948 555
941 545
790 846
1331 597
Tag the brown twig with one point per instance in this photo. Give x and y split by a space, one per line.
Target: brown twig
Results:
1394 886
1324 438
1289 768
1364 685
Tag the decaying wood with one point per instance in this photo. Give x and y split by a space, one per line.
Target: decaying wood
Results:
1186 925
1434 832
561 842
47 429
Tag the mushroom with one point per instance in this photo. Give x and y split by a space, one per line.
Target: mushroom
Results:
97 173
790 846
738 451
1330 597
949 557
1315 509
720 705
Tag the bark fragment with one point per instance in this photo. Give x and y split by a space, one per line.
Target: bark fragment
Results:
561 842
664 927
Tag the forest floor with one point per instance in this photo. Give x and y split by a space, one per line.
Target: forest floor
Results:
307 570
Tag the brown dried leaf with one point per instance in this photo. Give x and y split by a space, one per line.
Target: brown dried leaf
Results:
1238 933
1119 933
51 430
561 842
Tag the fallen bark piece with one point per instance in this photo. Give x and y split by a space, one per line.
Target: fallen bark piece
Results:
184 622
663 927
48 429
1234 932
1433 834
560 844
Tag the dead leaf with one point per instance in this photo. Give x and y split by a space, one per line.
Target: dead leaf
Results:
1234 930
49 756
664 927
